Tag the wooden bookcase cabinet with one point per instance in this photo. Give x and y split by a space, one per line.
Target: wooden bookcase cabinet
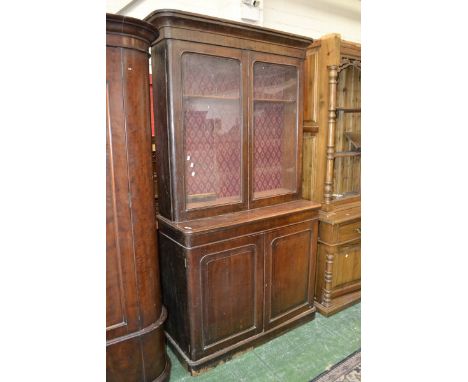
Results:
237 241
332 149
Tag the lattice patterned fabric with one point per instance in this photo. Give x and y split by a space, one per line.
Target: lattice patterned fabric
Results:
268 122
212 126
211 76
199 144
228 154
213 151
272 81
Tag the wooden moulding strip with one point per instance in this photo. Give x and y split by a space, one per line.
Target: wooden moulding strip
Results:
172 18
350 241
154 326
239 344
342 154
310 127
348 110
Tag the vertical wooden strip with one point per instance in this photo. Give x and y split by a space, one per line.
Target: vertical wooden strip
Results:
332 81
311 106
349 127
342 101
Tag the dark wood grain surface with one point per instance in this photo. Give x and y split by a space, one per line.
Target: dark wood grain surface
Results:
135 341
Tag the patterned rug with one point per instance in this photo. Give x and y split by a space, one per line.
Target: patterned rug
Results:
347 370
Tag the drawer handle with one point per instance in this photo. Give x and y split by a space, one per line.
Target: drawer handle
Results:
358 230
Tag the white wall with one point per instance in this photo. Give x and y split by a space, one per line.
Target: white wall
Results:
312 18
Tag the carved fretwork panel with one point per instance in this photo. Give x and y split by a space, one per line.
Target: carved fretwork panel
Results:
347 62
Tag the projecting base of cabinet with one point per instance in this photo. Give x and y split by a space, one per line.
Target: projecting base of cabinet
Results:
206 363
338 304
164 376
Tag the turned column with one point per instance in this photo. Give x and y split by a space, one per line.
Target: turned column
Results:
328 278
135 348
332 82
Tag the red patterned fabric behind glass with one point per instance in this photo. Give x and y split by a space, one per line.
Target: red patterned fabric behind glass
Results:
212 120
269 84
214 152
211 76
268 122
199 143
275 93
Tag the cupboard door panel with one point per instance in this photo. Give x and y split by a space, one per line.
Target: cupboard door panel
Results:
231 291
290 272
346 275
289 289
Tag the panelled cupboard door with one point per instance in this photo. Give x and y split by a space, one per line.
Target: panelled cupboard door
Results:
290 254
346 274
228 292
275 128
209 85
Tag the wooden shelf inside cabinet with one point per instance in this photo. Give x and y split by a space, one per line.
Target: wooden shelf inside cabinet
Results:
341 154
212 97
274 100
348 110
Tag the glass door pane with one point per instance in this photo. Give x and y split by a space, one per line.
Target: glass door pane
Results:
274 129
347 165
212 130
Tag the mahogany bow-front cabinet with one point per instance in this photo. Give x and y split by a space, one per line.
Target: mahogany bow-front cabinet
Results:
135 346
237 242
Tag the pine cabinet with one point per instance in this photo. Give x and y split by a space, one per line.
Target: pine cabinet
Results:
237 241
332 167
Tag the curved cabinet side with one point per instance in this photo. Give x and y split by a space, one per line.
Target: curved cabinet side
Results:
135 349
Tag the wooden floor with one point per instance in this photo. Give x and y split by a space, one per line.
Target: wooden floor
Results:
296 356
